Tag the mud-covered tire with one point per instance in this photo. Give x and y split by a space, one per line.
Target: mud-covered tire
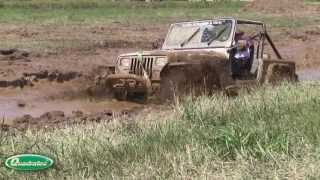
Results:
278 73
120 95
171 84
180 81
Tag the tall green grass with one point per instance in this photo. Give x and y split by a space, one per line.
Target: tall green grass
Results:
270 132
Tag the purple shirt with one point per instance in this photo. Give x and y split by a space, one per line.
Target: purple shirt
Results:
243 55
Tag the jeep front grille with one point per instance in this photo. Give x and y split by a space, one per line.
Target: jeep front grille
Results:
136 68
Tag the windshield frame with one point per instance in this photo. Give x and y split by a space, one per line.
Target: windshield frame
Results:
223 44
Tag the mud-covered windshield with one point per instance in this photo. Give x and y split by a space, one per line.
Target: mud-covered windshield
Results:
199 34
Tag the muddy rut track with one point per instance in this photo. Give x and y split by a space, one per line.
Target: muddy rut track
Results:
58 119
28 79
77 97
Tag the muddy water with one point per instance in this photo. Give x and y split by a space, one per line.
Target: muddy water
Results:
309 74
10 108
44 98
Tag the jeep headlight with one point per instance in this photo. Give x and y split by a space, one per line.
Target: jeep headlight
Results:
161 61
125 62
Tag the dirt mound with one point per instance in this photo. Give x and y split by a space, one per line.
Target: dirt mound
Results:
55 75
29 79
58 119
13 54
275 6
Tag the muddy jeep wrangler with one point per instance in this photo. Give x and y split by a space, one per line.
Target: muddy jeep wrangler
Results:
201 56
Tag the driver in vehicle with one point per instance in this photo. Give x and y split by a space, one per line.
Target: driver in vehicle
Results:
243 45
243 51
243 54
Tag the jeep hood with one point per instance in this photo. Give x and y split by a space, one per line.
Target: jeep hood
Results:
220 52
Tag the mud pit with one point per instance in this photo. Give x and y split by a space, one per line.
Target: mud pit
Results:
54 104
53 86
37 98
42 98
56 80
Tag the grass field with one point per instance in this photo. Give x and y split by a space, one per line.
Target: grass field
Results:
85 11
271 132
106 11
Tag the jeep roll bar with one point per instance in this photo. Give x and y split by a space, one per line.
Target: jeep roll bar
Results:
264 35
